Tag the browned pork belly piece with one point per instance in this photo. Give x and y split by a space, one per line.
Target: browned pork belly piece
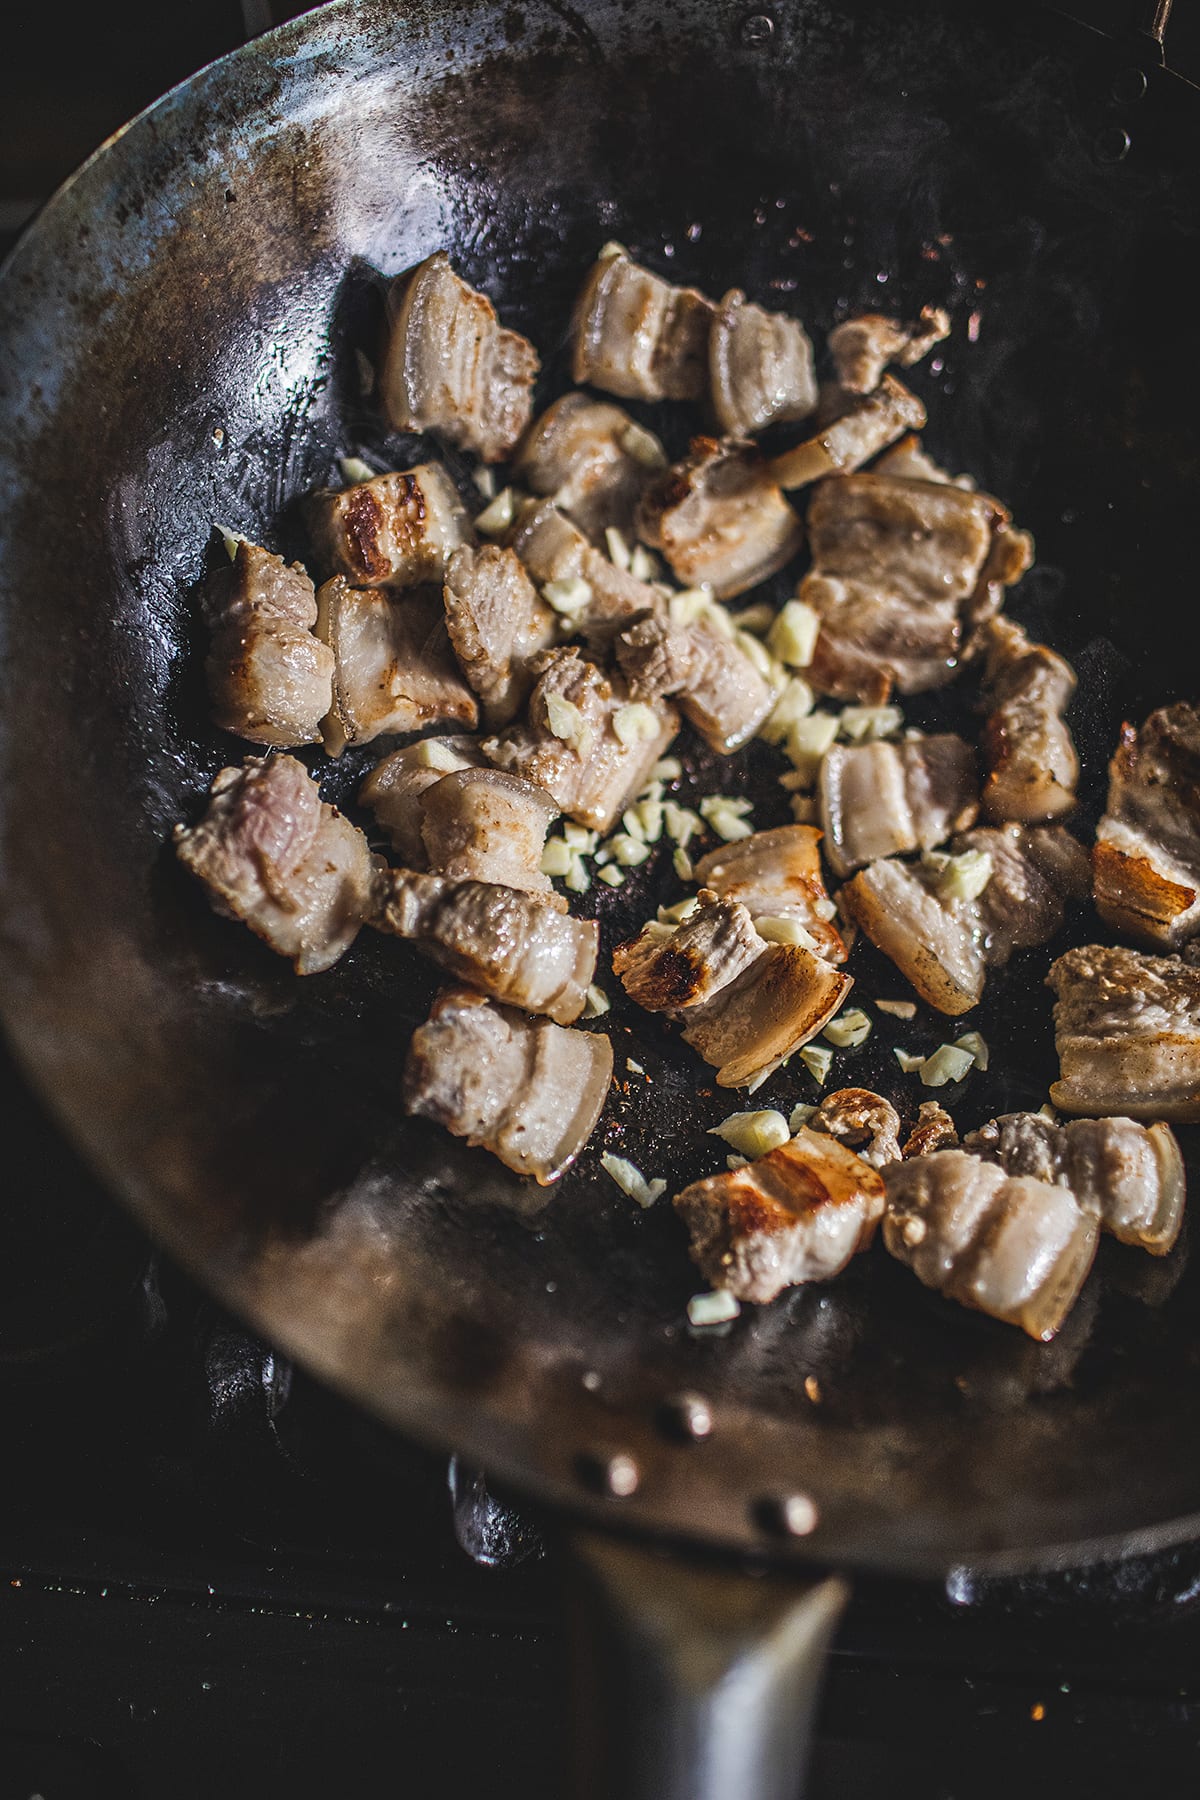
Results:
865 1121
392 531
1009 1246
497 624
270 679
395 788
945 946
637 336
777 874
1028 749
508 944
934 1130
744 1004
886 799
760 367
896 566
909 460
592 460
862 348
571 741
721 688
485 825
866 426
527 1090
451 368
798 1214
1128 1178
1127 1030
553 549
1146 863
719 519
272 854
394 670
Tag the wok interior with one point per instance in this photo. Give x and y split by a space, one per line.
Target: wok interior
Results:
179 347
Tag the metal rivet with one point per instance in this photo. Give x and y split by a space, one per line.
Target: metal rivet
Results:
1129 86
687 1415
788 1515
757 28
617 1476
1112 145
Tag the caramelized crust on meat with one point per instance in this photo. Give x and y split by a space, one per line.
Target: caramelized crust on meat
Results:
269 678
798 1214
1127 1030
934 1130
720 519
637 336
451 368
1030 755
392 531
1146 863
864 1120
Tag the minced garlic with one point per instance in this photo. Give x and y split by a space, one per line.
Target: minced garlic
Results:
849 1029
630 1180
753 1133
793 636
498 514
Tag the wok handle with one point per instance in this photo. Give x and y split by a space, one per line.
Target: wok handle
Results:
694 1680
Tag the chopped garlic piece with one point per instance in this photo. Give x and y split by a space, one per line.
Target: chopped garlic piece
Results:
681 823
793 636
865 724
643 446
965 877
355 469
726 815
496 517
658 931
784 929
849 1029
630 1180
577 877
765 1074
757 654
818 1061
650 816
947 1063
753 1133
596 1004
618 549
799 1116
642 566
231 540
682 909
713 1309
691 605
1048 1112
485 481
627 850
557 857
795 703
613 876
809 739
974 1043
734 1161
568 723
899 1009
908 1060
825 909
633 825
757 619
567 596
681 862
635 723
579 837
668 768
611 249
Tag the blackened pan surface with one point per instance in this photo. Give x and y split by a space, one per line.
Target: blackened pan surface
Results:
177 346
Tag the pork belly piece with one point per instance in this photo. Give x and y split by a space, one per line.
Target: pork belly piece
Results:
1130 1179
865 1121
592 460
485 825
896 564
508 944
744 1004
777 874
637 336
798 1214
886 799
554 549
1027 747
527 1090
1010 1246
393 667
570 745
934 1130
451 368
395 787
862 348
866 426
945 946
272 854
721 687
269 678
719 519
1146 863
497 623
1010 556
392 531
1127 1031
760 367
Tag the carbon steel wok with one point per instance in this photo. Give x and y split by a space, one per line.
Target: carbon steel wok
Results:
177 346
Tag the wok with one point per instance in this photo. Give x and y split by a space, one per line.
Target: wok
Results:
178 338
